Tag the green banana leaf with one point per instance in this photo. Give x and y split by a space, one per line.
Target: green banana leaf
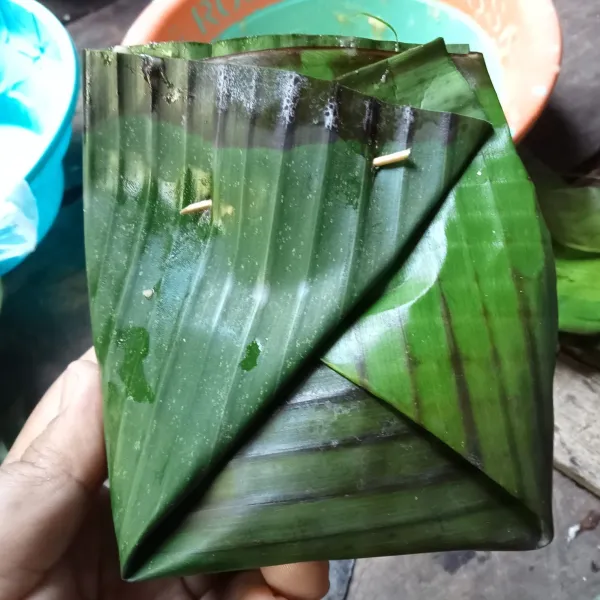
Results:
578 275
314 56
321 56
273 44
237 46
573 217
450 91
229 446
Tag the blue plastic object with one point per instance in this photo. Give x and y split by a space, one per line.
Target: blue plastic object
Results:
39 80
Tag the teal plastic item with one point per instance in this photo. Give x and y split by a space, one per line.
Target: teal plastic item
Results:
39 81
414 21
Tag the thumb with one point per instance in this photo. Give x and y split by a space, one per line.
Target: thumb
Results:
47 481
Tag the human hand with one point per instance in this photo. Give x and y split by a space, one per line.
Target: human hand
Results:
57 539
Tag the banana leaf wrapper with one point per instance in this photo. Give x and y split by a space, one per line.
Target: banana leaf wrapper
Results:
335 361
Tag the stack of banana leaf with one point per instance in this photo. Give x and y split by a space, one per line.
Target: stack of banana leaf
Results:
573 217
572 214
331 360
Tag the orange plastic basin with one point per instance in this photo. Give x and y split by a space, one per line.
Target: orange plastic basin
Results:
521 39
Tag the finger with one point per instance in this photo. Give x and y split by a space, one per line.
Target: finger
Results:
249 585
300 581
46 488
197 586
45 411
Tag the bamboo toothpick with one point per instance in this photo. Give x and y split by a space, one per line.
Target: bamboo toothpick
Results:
196 207
391 159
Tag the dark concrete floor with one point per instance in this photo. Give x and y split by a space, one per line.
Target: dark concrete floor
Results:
561 571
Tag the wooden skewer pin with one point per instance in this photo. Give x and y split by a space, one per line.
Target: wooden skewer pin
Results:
391 159
196 207
380 161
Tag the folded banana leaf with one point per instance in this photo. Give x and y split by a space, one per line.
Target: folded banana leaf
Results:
428 288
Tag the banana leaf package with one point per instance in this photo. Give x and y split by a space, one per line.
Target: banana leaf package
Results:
332 360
